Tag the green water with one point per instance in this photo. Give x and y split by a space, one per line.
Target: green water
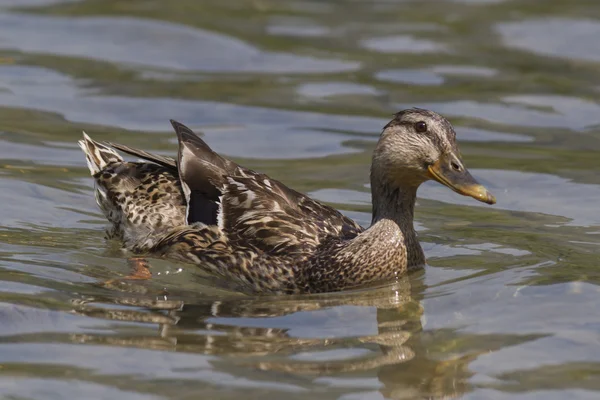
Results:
299 89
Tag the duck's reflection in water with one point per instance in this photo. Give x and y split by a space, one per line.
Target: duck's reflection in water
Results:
408 361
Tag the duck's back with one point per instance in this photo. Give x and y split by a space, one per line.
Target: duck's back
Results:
145 200
249 207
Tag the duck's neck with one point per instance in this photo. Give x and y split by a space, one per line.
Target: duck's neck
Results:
393 213
396 204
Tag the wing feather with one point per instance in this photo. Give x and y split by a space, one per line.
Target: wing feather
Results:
279 221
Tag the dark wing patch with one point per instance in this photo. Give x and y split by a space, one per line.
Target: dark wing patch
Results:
202 173
201 209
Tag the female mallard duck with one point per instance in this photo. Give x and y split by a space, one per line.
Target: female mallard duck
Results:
263 236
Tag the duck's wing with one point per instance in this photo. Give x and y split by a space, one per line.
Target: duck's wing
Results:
203 174
251 207
274 218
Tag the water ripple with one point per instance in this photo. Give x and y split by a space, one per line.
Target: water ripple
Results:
150 43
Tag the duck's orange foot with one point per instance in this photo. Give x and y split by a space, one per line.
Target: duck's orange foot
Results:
140 270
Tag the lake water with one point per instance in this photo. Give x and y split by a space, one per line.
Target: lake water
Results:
299 89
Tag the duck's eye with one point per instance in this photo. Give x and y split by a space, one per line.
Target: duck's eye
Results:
421 127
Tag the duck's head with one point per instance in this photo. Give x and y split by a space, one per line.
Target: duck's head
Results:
419 145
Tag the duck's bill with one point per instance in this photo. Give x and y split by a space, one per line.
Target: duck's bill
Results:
459 179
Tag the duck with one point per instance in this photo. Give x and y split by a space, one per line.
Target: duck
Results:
256 234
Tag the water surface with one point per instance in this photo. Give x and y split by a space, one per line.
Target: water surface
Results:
507 308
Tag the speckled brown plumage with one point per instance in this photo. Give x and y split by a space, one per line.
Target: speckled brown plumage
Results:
141 200
259 234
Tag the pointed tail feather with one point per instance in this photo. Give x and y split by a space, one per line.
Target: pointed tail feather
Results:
166 162
97 155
